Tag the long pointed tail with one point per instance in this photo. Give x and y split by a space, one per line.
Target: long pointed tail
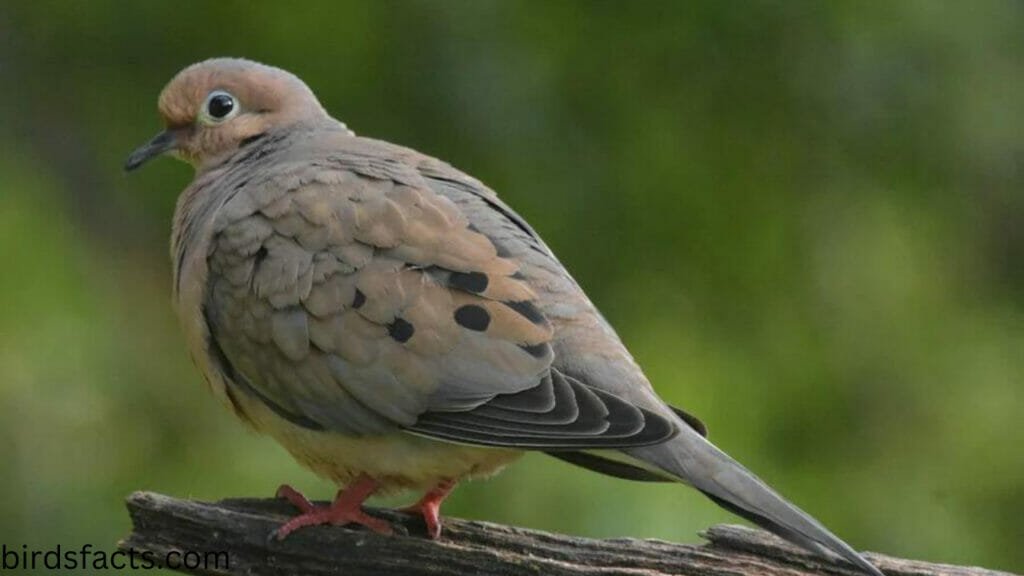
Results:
699 463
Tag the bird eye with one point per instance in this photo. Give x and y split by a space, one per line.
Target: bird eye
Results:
219 106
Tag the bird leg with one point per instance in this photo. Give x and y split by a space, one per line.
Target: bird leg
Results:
430 507
346 509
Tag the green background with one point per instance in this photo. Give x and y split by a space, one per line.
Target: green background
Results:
804 219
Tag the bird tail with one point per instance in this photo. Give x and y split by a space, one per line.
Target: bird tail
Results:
694 460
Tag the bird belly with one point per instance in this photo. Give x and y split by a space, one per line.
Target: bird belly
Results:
397 460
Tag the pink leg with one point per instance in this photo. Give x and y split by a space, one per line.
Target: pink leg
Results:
346 509
430 507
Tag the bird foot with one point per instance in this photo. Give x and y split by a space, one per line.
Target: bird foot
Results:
346 509
429 507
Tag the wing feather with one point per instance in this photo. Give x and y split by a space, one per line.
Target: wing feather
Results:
350 295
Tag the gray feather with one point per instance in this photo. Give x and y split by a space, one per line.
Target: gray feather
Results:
699 463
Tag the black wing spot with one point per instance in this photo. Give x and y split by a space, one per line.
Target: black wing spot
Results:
359 299
401 330
260 256
475 282
527 310
473 317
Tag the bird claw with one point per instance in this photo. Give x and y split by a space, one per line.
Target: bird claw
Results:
429 507
334 516
295 498
430 515
346 509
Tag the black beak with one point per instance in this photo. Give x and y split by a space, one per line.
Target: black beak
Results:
163 142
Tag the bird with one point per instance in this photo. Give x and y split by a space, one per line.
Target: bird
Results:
395 325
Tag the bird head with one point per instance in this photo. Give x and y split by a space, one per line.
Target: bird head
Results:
212 108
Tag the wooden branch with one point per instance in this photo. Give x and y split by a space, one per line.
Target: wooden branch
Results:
241 527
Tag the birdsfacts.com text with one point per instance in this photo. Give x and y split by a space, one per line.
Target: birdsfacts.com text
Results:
87 557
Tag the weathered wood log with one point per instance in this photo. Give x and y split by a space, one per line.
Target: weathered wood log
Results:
230 537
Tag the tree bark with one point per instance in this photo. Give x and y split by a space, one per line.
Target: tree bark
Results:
204 532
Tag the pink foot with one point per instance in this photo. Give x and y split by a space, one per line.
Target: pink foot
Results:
346 509
430 507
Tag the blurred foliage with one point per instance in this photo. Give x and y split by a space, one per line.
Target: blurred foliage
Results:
804 218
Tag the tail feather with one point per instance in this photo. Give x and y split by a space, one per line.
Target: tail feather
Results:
770 525
699 463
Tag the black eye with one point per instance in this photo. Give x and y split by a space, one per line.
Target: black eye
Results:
220 105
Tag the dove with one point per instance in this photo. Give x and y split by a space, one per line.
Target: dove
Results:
394 324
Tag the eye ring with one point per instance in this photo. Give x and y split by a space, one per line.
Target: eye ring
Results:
219 107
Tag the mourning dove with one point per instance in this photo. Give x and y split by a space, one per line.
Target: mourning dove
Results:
394 324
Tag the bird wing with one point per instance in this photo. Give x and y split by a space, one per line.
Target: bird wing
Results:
586 347
348 294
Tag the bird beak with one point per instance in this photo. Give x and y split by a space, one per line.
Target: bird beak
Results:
161 143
